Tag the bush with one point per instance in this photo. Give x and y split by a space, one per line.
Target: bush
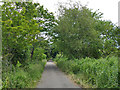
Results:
103 73
35 70
23 77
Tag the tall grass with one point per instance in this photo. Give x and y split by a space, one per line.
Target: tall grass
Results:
101 73
23 77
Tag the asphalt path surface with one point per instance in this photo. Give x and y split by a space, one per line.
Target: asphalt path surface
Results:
52 77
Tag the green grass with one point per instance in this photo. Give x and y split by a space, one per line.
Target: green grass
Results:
100 73
24 77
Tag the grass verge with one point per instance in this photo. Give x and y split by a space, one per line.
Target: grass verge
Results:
23 77
91 73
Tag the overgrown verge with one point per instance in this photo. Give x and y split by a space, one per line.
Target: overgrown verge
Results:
23 77
91 73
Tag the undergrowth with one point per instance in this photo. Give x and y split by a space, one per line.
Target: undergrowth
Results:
23 77
100 73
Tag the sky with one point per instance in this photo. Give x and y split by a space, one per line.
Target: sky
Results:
109 8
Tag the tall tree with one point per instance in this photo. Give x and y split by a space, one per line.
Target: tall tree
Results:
22 24
76 34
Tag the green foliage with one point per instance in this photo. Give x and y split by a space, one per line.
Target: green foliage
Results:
22 24
109 34
77 36
38 54
23 77
102 73
81 33
22 43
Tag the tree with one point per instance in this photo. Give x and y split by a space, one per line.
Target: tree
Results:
76 34
109 35
23 23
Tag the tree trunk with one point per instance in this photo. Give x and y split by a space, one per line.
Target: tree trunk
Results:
32 52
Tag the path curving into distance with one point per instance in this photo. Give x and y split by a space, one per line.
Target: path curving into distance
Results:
52 77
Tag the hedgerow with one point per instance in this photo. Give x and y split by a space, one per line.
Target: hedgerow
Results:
101 73
23 77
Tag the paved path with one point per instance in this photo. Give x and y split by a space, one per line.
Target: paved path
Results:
52 77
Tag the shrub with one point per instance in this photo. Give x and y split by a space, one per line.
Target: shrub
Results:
23 77
103 72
